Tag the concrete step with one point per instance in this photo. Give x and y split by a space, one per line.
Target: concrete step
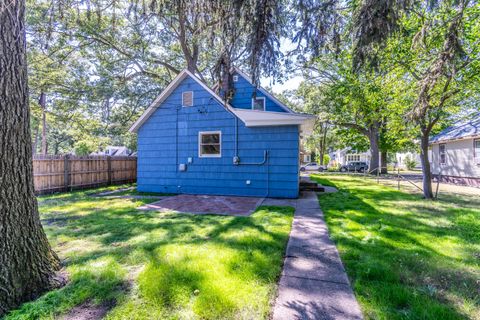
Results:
312 188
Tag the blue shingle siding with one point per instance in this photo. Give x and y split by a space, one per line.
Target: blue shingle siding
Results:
164 143
242 98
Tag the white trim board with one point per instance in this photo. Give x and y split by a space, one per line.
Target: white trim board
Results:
166 93
200 155
264 103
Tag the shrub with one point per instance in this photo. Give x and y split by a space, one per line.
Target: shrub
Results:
333 168
326 159
410 163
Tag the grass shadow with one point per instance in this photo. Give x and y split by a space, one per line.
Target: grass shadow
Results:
184 265
407 258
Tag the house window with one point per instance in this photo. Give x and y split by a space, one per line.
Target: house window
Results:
353 157
443 153
476 150
235 78
210 144
187 98
258 103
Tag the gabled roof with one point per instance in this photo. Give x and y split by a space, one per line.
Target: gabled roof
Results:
251 118
166 93
265 92
460 130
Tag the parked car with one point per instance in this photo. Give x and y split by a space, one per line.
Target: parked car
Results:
356 166
313 166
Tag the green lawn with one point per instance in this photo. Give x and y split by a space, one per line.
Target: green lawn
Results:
407 258
147 265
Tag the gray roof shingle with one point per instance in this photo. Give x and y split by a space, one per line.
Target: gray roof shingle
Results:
463 129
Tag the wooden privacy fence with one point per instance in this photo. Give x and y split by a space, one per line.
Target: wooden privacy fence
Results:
62 173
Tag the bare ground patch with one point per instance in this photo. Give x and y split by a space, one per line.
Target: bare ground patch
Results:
89 311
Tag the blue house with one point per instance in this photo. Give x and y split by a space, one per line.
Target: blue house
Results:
191 141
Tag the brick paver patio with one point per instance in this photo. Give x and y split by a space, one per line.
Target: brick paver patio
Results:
205 204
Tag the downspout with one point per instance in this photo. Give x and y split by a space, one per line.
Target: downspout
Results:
236 137
176 140
236 158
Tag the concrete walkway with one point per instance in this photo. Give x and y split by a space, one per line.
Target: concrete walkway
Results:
313 284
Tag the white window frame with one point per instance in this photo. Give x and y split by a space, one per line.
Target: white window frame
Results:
440 153
200 134
235 78
183 103
475 150
264 103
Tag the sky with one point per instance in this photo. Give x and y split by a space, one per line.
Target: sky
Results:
277 87
293 80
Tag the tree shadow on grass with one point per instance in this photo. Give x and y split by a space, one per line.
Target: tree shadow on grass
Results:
396 266
253 246
102 283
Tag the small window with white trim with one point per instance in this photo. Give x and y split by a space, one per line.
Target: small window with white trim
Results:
442 150
187 98
476 150
210 144
258 103
235 78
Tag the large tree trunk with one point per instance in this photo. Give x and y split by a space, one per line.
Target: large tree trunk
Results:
43 104
323 143
322 155
426 171
383 162
373 137
27 263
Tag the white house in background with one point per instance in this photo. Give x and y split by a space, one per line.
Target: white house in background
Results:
305 155
347 155
401 156
114 151
456 153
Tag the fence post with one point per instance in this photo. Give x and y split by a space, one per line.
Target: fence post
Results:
66 171
109 166
398 178
439 177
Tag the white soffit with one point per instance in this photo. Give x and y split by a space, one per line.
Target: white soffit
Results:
254 118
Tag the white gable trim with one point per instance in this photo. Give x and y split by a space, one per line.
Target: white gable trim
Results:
251 118
265 92
166 93
153 106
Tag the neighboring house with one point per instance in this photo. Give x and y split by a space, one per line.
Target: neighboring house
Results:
114 151
402 156
456 153
191 141
305 156
344 156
